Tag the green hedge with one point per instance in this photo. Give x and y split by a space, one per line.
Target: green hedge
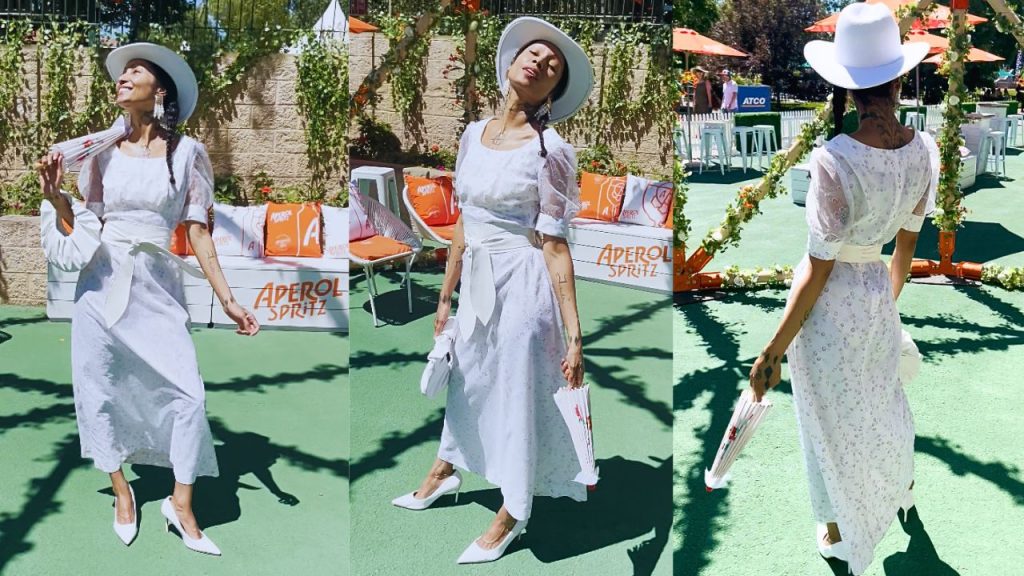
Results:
755 118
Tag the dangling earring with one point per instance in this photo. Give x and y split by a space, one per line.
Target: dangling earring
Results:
544 110
158 107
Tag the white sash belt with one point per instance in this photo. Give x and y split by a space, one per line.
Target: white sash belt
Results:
478 294
852 254
135 237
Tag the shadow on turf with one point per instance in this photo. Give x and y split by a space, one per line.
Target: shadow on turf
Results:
976 242
631 500
392 302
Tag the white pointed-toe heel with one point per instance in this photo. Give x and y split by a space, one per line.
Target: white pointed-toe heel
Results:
838 550
452 483
203 545
477 555
908 503
127 532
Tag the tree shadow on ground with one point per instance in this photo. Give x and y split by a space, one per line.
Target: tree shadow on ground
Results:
396 443
632 499
392 302
713 175
39 500
975 242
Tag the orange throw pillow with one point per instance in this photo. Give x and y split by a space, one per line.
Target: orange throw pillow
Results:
179 242
293 230
671 210
601 196
432 198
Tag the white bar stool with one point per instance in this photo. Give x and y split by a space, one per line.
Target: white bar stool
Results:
383 179
915 119
996 161
713 135
766 133
1015 121
743 132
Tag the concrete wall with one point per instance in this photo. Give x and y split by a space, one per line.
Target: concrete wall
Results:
22 264
441 117
266 133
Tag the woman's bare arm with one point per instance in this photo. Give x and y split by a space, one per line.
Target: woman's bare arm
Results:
452 273
206 253
563 279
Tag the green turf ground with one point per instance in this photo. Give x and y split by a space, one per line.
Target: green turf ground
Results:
622 529
966 405
278 407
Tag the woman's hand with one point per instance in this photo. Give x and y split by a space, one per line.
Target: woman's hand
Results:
51 174
247 324
766 372
572 367
444 309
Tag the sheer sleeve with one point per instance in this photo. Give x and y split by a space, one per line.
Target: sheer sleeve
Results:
199 198
829 208
90 185
926 205
559 191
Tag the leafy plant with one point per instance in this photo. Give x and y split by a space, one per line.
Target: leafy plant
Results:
599 159
323 101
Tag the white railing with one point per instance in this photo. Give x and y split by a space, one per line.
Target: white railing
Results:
792 123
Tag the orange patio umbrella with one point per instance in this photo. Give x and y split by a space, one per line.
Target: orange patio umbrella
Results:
974 55
686 40
355 26
940 17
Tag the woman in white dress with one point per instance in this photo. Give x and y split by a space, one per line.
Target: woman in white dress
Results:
139 397
841 329
518 330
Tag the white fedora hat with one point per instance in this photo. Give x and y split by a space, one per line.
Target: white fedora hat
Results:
867 51
527 29
175 66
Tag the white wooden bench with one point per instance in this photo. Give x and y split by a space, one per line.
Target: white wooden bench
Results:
624 254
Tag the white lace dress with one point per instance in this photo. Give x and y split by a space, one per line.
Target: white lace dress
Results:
501 421
855 424
139 398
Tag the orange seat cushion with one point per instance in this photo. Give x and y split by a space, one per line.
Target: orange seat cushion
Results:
601 196
293 230
433 199
179 242
376 248
446 232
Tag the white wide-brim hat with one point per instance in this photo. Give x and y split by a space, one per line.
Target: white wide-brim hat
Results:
867 51
525 30
175 66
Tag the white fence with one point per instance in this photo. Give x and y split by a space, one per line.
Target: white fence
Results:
792 123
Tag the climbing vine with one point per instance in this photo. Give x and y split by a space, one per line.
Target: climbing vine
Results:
323 101
408 77
680 223
948 210
12 82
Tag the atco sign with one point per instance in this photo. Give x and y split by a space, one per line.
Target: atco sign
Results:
754 99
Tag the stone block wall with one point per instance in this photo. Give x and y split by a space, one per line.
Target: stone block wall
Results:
22 264
441 116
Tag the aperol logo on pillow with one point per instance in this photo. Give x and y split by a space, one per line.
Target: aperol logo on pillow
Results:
647 202
179 242
433 199
601 196
293 230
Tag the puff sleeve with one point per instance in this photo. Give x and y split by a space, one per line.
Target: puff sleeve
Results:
829 208
199 196
90 185
926 205
559 192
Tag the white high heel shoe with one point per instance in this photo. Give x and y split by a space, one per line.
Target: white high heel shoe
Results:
450 484
203 544
908 503
477 555
838 550
127 532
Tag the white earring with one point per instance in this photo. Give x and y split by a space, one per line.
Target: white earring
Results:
158 107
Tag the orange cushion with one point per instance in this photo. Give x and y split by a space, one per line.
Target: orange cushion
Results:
179 242
376 247
293 230
432 199
601 196
446 232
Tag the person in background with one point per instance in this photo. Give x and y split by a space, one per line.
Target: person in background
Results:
703 97
730 96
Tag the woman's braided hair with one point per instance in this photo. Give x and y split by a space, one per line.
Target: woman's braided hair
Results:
169 123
